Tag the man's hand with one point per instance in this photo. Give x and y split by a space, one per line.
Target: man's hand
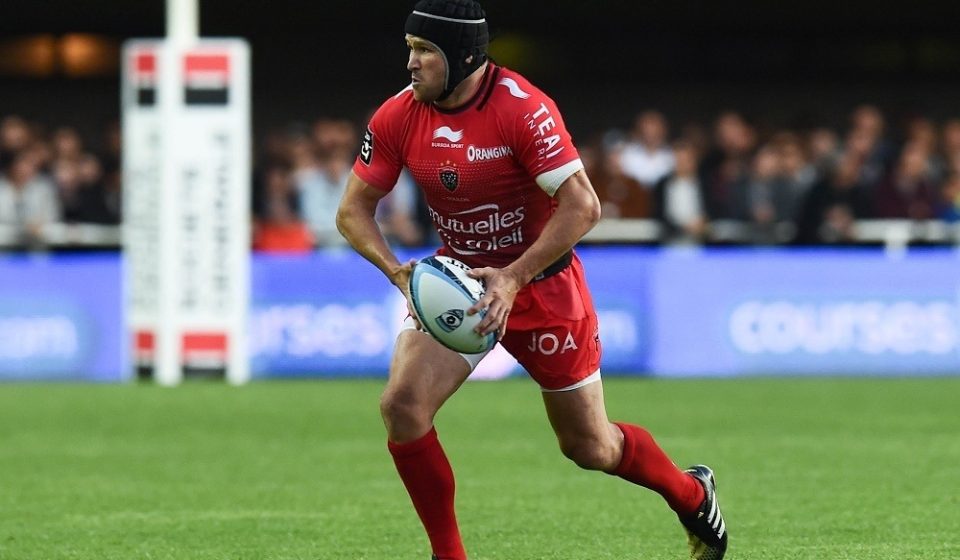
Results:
502 286
400 276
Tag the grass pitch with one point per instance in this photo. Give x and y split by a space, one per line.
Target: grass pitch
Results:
807 469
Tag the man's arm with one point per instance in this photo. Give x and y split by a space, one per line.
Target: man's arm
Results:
356 222
578 210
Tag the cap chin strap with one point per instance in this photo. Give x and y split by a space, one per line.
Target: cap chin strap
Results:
467 68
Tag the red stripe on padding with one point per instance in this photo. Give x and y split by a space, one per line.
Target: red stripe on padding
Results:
204 342
207 63
144 341
146 63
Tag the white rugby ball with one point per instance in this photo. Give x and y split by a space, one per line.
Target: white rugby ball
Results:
442 293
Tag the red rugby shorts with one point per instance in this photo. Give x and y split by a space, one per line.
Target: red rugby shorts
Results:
553 331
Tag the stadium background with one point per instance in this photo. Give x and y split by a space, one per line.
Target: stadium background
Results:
295 470
814 60
819 85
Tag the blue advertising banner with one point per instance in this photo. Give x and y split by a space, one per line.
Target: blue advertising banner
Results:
327 313
60 318
806 312
334 314
662 312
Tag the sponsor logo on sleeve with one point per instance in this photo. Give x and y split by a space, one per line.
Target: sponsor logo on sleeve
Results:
514 88
366 148
546 136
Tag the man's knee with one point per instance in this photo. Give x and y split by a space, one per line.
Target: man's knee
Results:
403 414
398 405
591 453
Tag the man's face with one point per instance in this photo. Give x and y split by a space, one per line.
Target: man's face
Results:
428 71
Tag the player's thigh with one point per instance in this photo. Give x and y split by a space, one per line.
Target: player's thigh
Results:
424 373
579 419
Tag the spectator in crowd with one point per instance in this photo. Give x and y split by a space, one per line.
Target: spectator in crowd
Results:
331 152
112 146
764 199
334 135
15 136
950 137
82 192
28 201
110 159
922 133
316 192
908 192
948 208
273 153
620 196
647 157
103 205
950 147
41 153
678 198
397 214
727 165
66 177
867 140
697 136
833 204
278 227
823 145
66 144
795 167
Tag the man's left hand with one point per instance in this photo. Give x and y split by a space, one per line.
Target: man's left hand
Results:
502 286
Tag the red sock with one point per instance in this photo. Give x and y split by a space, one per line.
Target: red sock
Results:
644 463
426 473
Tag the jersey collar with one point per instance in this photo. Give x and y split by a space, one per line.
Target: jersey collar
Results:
485 84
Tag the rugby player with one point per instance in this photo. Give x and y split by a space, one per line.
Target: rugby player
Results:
509 197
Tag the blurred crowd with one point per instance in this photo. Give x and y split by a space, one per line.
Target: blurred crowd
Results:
729 180
299 176
52 176
778 186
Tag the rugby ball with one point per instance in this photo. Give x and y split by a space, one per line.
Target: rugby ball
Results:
442 293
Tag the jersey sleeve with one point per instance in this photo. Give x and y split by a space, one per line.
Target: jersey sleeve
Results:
379 161
541 141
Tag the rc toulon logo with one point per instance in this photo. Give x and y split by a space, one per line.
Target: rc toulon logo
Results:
449 177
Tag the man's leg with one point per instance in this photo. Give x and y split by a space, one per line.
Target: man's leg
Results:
589 439
423 375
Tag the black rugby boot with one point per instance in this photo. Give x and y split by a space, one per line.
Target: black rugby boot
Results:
706 530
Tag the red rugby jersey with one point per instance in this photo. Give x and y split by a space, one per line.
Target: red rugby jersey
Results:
488 169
